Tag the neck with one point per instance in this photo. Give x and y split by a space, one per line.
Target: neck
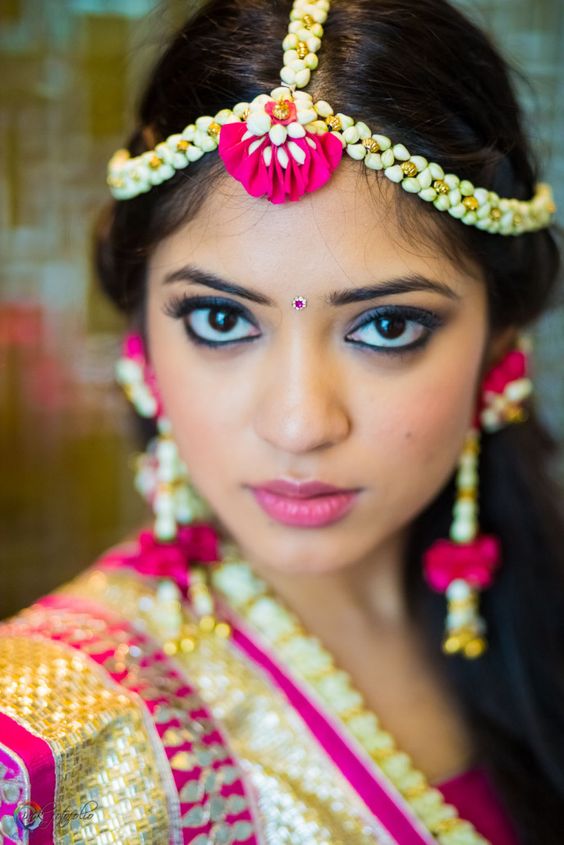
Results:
365 593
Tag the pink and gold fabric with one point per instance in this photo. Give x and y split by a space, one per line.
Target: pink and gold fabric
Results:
106 737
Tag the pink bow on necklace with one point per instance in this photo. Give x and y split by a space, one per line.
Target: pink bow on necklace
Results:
196 543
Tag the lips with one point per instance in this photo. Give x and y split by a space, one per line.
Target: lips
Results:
300 489
307 503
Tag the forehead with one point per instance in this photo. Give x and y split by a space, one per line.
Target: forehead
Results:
347 229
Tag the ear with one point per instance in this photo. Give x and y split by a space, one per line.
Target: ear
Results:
499 345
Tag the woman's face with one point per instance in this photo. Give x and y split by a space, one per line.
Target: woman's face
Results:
330 392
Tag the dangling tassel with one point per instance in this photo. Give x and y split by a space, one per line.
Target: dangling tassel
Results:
160 475
464 564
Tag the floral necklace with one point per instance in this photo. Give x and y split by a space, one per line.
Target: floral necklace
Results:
184 572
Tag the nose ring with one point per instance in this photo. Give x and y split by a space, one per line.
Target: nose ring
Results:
299 302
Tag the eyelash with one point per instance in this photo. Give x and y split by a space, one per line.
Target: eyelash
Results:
182 306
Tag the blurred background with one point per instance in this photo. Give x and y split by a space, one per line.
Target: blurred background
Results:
70 73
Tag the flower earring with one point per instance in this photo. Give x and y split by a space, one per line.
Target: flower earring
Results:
161 477
464 564
182 544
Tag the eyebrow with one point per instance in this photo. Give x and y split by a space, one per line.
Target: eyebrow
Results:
400 284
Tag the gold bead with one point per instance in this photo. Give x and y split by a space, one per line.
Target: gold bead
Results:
207 623
223 630
371 145
182 145
187 644
414 791
170 647
441 186
471 203
444 825
475 647
515 414
451 645
334 122
495 214
383 753
214 129
308 21
302 50
409 168
155 162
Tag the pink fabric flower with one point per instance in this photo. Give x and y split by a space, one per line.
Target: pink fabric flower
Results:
512 367
474 562
321 155
196 543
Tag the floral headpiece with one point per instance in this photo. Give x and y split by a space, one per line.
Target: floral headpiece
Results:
284 144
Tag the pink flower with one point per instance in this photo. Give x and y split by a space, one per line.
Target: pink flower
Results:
512 367
474 562
196 543
309 161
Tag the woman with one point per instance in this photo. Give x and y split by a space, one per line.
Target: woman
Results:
321 638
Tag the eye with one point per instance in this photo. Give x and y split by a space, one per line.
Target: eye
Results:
396 330
211 321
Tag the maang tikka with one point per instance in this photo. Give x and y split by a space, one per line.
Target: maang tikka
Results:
465 563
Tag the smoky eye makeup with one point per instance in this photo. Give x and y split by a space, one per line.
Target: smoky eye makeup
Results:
218 323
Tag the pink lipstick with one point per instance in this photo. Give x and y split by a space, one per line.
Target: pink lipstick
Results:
306 503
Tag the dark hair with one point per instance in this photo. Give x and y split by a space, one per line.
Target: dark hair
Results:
454 103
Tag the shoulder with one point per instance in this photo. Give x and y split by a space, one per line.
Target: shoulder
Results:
98 728
76 746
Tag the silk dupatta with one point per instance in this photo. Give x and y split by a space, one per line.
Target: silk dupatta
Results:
223 743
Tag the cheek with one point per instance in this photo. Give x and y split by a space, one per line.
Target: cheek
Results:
416 443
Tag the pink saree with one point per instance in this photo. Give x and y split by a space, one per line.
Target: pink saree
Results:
109 735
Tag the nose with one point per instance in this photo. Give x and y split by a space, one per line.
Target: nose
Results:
302 402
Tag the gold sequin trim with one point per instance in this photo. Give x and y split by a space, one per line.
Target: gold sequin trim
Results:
307 659
102 752
301 795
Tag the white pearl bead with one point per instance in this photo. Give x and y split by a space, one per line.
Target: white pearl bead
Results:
462 531
442 202
374 161
363 130
278 134
457 211
259 123
295 130
356 151
383 141
437 171
411 185
400 152
388 159
290 42
288 75
458 589
394 173
303 77
351 135
425 178
323 108
428 194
